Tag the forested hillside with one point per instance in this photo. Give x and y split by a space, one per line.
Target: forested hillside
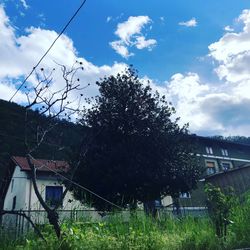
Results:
238 139
60 143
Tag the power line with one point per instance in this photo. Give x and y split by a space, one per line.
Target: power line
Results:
62 31
65 178
78 185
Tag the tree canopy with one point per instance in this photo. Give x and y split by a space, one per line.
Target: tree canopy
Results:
138 152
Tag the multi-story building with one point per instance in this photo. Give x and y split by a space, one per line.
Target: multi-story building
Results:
220 156
226 164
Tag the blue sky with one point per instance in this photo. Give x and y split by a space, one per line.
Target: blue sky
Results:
194 52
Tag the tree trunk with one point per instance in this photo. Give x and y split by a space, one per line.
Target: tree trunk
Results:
54 221
177 206
150 208
51 213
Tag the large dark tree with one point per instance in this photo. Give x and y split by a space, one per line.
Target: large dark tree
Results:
138 151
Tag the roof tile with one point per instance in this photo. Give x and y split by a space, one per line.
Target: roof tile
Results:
41 164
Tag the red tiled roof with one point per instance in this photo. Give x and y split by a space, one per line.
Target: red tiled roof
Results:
41 164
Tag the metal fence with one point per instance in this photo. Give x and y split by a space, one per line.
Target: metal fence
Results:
17 225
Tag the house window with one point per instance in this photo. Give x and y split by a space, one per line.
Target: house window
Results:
224 152
226 166
14 203
53 195
209 150
12 185
211 167
185 195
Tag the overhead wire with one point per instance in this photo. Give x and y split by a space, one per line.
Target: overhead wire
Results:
80 186
47 51
25 80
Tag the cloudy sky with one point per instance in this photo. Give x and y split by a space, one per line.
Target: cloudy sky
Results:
196 53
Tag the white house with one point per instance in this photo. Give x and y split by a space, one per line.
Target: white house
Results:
21 194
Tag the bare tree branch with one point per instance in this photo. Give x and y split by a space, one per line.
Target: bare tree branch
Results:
20 213
53 103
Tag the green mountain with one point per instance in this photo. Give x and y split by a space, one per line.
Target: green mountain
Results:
60 143
237 138
63 142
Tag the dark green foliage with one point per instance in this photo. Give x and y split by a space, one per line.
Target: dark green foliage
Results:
220 206
237 139
138 152
240 229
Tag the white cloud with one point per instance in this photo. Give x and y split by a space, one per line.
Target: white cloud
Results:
232 52
130 34
121 49
24 3
132 26
186 92
114 18
19 54
222 107
162 18
228 28
209 109
108 19
142 43
42 18
7 89
190 23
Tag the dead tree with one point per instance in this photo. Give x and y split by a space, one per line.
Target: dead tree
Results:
55 104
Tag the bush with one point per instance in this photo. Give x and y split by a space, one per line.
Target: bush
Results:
240 229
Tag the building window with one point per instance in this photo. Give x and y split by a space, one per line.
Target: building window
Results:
209 150
226 166
185 195
12 185
53 195
14 203
224 152
211 167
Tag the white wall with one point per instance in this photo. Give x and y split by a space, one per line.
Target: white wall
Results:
17 187
26 199
167 200
41 184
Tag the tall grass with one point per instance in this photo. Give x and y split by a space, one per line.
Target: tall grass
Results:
139 232
142 232
239 230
